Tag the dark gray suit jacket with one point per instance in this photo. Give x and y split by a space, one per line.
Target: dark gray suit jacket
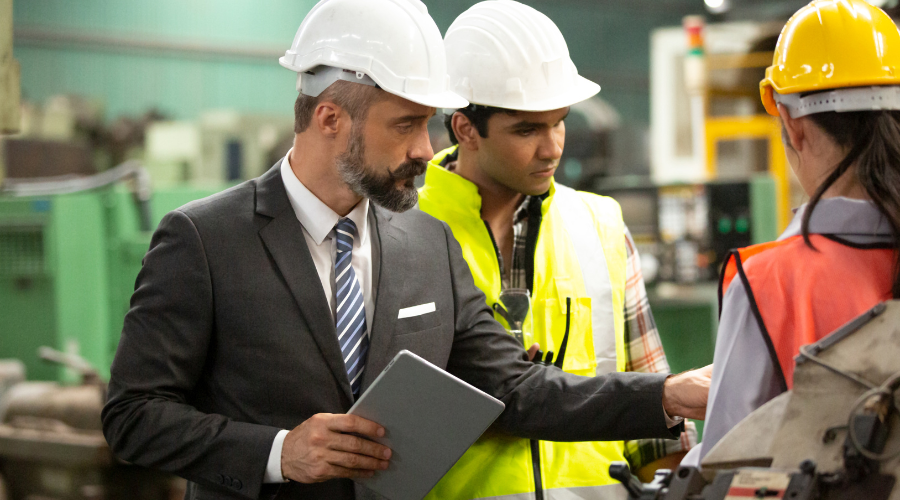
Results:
230 339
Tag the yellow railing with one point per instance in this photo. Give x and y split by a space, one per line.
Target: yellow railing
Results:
753 127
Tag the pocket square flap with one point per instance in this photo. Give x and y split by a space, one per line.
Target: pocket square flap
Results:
409 312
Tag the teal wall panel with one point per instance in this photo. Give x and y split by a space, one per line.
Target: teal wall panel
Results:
609 42
180 88
180 84
258 21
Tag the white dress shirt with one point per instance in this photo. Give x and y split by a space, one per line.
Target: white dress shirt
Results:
318 221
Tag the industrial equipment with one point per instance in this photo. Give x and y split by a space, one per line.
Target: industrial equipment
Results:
70 250
10 90
221 147
590 129
684 231
836 435
52 444
706 121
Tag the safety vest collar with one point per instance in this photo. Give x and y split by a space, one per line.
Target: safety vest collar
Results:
454 191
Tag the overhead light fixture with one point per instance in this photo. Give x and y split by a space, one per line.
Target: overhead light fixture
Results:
717 6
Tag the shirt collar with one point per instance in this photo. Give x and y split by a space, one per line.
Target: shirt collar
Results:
316 217
841 216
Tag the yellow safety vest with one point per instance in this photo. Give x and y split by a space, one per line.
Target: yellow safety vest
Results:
567 251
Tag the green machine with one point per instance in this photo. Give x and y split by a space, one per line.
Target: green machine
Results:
69 254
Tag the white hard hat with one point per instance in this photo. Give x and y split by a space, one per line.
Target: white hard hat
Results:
392 43
505 54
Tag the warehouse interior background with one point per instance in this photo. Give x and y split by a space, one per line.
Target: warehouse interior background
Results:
191 92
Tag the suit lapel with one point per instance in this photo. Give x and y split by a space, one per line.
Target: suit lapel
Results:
283 237
392 251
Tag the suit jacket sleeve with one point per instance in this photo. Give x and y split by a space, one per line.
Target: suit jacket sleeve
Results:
149 419
545 402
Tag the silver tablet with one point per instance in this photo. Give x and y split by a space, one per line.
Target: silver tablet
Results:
430 418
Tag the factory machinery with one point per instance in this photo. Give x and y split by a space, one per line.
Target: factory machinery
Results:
52 444
70 250
835 436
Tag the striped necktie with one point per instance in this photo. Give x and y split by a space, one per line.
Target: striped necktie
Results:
350 320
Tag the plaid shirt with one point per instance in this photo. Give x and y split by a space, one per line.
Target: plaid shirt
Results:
643 347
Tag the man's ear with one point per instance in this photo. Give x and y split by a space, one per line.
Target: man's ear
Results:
328 117
465 132
793 127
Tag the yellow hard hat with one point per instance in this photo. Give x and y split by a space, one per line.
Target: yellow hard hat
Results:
833 44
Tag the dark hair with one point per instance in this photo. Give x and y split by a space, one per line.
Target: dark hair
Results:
874 141
354 98
478 115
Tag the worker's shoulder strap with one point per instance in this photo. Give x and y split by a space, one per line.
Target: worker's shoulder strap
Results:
734 267
735 258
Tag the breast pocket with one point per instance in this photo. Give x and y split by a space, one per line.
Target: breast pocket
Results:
551 322
411 320
550 328
431 344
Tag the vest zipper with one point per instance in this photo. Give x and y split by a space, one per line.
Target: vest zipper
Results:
535 444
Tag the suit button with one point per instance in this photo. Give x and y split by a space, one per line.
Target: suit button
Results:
221 478
228 481
238 484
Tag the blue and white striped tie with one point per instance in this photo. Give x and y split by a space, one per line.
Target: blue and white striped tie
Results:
351 309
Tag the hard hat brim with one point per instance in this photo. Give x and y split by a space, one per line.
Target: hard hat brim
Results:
581 90
444 99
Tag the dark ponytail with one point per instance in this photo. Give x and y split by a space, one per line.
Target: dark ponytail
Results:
874 141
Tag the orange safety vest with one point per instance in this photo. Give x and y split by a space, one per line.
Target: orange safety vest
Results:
799 295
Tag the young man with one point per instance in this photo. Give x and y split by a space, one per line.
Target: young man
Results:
520 230
261 313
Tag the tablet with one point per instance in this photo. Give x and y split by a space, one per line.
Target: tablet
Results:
430 419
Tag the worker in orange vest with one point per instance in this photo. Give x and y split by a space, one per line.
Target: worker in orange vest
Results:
835 83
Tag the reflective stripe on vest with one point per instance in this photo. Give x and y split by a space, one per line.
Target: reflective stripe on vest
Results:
799 295
605 492
591 259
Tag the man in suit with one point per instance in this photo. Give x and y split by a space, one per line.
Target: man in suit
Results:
261 313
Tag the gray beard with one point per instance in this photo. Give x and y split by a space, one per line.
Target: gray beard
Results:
381 189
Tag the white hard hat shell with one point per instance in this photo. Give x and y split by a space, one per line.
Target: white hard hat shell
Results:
506 54
393 42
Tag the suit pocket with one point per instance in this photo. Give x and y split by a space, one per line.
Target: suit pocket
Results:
414 324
